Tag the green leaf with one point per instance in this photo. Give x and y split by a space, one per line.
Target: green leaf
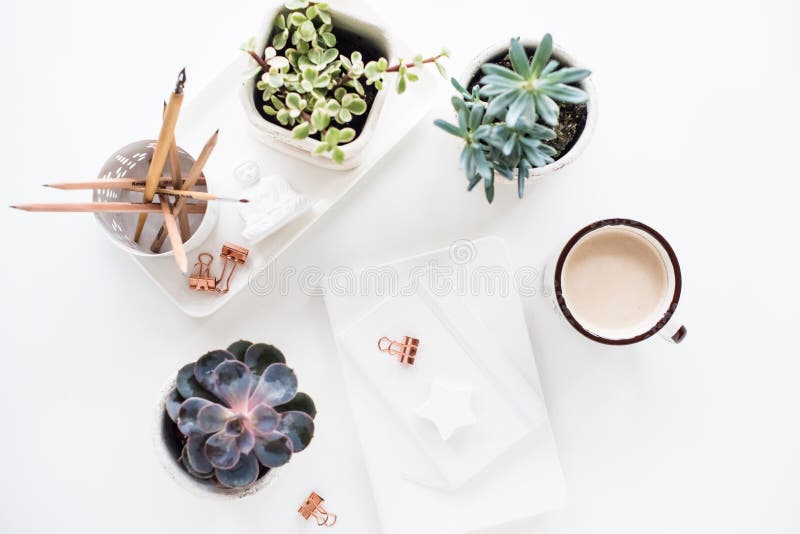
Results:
280 22
566 93
355 84
357 106
277 102
542 55
329 55
321 148
346 135
315 56
302 47
332 136
296 19
293 100
499 70
322 81
307 31
312 12
401 85
441 69
309 73
412 77
301 130
323 15
452 129
519 60
283 116
346 62
547 109
567 75
459 87
338 155
344 116
329 38
320 119
279 40
269 110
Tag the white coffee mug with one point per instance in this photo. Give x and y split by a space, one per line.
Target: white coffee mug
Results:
617 282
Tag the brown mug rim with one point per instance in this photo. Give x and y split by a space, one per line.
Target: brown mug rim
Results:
562 258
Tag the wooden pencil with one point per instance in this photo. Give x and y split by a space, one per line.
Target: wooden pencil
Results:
189 183
104 207
174 235
177 182
161 151
196 195
121 183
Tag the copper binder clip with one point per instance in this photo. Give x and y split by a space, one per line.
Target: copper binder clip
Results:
201 279
232 256
313 507
406 350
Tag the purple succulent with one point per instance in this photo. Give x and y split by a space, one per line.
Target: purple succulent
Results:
240 414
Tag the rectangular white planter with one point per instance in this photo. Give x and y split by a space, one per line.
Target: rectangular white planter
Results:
280 138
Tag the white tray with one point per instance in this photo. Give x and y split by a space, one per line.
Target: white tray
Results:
218 106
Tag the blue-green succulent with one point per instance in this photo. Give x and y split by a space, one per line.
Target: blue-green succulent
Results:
238 414
506 120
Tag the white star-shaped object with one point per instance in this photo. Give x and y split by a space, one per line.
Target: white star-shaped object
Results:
448 407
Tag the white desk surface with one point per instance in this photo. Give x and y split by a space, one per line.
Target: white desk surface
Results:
697 129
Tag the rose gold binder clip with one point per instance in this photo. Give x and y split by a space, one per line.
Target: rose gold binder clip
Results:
313 507
201 279
406 350
232 256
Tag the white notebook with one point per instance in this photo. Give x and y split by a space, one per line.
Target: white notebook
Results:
521 478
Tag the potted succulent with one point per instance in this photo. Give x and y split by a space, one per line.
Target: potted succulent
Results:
524 109
316 83
232 417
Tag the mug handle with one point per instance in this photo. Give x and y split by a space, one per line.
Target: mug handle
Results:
674 331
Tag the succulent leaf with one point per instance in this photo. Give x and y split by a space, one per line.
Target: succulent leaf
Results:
301 403
188 414
264 419
173 404
194 454
239 348
221 450
231 382
212 418
278 385
273 450
298 427
188 386
242 475
497 118
206 364
261 355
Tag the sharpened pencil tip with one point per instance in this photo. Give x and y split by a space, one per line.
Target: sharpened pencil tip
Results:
45 185
243 200
15 207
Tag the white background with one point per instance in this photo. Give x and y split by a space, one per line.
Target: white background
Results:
696 137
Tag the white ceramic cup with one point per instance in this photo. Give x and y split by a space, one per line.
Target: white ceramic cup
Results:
658 319
133 161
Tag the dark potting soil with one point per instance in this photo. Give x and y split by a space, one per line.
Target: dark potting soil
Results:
571 117
347 42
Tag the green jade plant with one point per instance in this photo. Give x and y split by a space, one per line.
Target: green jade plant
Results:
308 86
238 414
506 119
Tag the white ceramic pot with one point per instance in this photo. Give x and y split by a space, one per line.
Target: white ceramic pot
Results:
133 161
280 138
560 55
168 457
